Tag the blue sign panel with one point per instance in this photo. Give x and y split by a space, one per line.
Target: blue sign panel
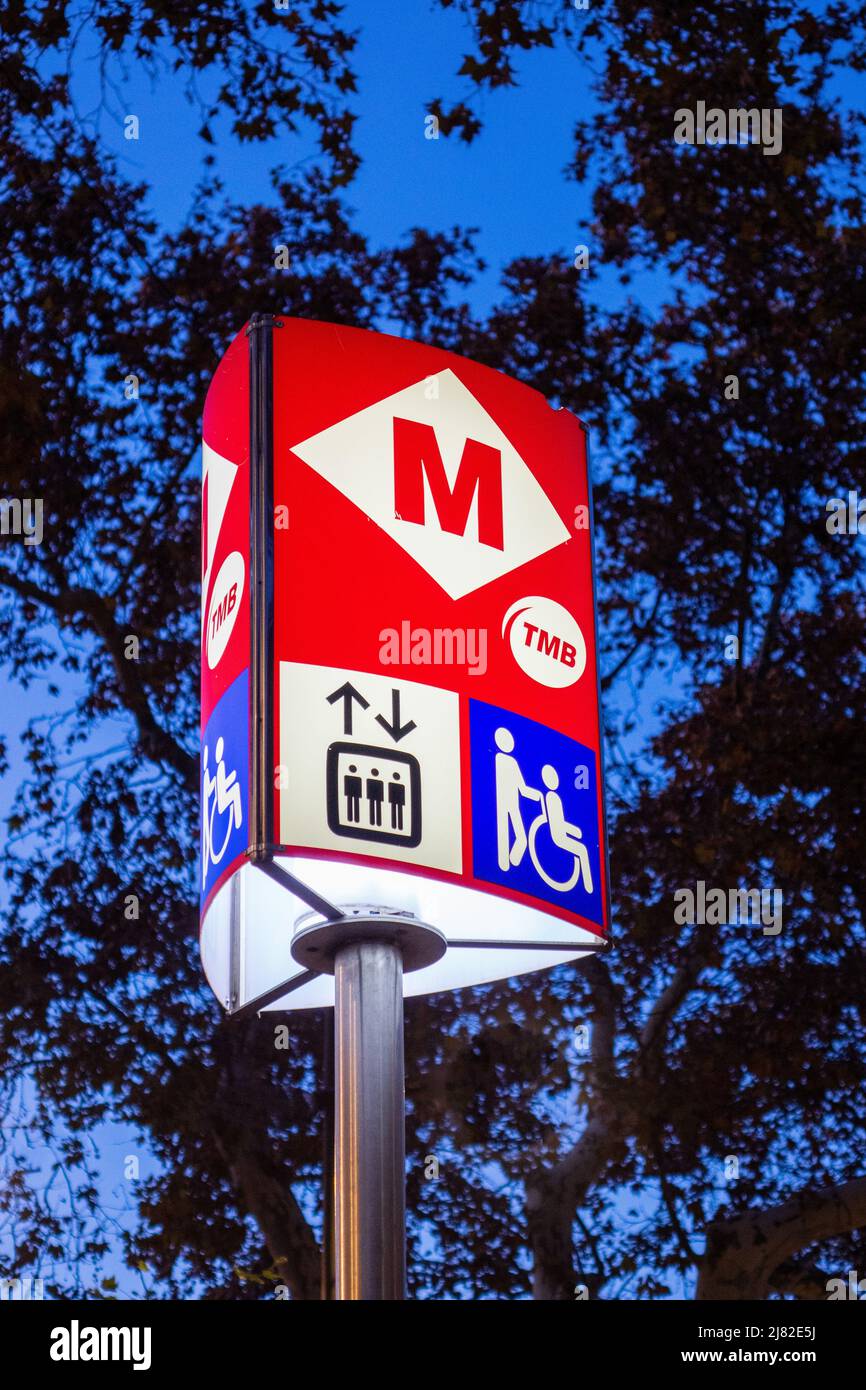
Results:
534 810
225 784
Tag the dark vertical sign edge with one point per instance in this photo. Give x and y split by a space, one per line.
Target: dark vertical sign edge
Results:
261 362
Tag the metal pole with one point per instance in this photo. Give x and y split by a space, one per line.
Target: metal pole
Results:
370 1140
327 1289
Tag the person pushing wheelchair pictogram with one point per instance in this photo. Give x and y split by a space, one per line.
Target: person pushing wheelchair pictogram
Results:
512 839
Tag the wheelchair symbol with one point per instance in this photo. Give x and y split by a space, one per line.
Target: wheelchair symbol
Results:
513 842
221 793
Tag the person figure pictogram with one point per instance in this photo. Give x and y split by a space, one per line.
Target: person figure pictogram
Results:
208 785
510 786
562 833
396 801
220 793
228 791
375 797
353 787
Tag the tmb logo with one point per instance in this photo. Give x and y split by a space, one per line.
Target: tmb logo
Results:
434 470
224 606
545 641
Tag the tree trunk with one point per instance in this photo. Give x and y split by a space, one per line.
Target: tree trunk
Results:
552 1199
269 1199
550 1219
743 1254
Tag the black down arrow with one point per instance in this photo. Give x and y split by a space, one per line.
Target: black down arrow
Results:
395 728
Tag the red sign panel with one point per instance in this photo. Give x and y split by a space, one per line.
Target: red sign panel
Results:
435 684
225 621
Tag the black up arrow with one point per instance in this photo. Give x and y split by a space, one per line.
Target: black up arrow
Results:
395 728
347 693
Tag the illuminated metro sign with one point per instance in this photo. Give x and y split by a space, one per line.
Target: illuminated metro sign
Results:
399 661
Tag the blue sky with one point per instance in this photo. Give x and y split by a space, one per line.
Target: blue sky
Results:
509 182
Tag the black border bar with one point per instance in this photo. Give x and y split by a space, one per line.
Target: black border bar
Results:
261 360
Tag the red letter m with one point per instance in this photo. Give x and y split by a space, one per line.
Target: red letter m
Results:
416 452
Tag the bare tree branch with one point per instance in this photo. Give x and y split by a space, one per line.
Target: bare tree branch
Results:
743 1254
155 741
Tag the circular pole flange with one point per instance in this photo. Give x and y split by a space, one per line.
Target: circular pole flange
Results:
316 946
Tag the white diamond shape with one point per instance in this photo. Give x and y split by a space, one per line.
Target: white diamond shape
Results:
219 474
357 456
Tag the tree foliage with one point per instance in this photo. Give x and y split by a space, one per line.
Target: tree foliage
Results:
558 1167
